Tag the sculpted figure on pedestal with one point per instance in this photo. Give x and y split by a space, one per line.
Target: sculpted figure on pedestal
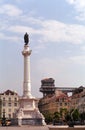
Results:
26 39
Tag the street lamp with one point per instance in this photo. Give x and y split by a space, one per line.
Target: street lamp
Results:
3 119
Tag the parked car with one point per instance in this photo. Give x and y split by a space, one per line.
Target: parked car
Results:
5 122
8 122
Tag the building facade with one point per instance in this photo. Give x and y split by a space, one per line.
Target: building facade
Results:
54 103
53 99
78 99
9 103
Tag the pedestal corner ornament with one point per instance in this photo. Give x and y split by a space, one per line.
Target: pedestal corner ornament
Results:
28 113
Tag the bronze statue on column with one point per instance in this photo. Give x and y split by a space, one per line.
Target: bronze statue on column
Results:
26 39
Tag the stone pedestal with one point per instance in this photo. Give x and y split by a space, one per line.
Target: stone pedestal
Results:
28 113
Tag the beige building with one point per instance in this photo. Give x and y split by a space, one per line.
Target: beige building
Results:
54 103
9 103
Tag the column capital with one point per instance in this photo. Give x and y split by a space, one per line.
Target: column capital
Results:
26 51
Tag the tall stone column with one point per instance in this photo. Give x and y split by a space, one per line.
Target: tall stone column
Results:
27 82
28 113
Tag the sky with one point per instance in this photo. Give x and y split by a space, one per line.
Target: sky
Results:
56 31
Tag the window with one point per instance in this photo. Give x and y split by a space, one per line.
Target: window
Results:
15 104
9 104
65 104
9 99
3 98
4 104
15 99
60 104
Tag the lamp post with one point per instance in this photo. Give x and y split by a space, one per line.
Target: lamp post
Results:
3 119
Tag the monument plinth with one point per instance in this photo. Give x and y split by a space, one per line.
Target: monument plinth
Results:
28 113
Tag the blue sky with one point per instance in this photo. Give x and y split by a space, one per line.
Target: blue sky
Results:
57 38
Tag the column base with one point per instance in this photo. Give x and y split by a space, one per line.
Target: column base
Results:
30 121
28 113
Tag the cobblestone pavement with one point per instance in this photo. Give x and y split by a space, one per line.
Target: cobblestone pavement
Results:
25 128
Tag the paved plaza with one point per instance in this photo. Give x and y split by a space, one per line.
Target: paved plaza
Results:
25 128
37 127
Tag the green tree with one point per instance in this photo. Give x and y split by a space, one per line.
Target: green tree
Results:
48 117
82 116
75 114
68 116
56 116
63 112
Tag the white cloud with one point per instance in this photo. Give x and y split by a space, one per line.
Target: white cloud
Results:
70 1
12 38
79 6
10 10
21 29
45 30
53 31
